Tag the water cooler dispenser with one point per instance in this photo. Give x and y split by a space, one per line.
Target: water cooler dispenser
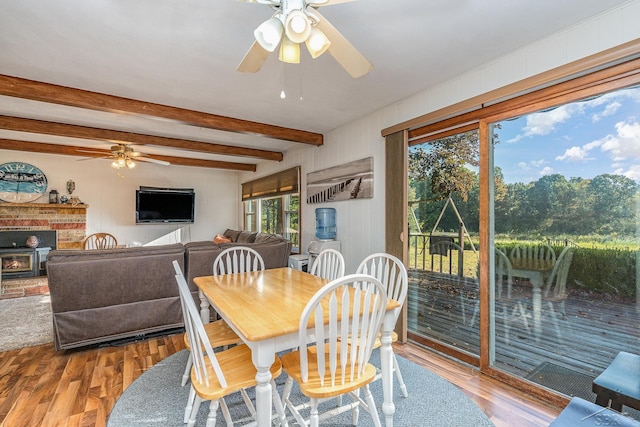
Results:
325 233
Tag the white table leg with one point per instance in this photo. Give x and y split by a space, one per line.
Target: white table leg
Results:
204 307
263 360
386 364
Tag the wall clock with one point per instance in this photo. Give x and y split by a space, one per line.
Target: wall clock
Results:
21 182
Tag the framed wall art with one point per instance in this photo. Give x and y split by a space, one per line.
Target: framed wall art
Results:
352 180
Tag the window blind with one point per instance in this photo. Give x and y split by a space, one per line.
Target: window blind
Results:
278 184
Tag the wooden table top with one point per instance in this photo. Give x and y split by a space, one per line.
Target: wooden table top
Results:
263 304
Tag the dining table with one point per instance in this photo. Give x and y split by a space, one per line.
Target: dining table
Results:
537 272
264 308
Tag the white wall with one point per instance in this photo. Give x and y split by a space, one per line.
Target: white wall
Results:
360 223
110 194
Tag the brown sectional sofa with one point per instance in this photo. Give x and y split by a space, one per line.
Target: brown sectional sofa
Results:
104 295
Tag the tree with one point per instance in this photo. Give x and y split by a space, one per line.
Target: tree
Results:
614 202
445 162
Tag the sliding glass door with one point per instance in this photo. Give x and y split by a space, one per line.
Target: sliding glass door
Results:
443 304
565 244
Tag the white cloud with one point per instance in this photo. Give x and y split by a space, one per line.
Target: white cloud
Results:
517 138
545 122
621 146
547 171
537 163
625 144
609 109
575 154
633 172
523 166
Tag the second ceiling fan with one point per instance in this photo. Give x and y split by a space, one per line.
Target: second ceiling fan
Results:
124 155
295 22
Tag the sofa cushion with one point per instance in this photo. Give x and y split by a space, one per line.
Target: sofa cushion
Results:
266 237
232 234
246 237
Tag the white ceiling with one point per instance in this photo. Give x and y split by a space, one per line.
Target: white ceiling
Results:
184 53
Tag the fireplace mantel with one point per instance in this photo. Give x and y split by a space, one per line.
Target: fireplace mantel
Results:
69 220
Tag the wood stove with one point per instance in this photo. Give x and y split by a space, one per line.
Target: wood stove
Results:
18 260
23 262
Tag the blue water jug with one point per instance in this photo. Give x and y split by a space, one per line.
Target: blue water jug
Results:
325 223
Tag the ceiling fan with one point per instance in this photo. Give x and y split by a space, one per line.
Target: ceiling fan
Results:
295 22
125 156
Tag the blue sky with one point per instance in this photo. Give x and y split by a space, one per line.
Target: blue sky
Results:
581 139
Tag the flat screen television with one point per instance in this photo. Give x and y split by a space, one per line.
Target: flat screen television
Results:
165 205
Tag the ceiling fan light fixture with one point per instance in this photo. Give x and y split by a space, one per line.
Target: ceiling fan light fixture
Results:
289 51
297 26
269 33
130 163
317 43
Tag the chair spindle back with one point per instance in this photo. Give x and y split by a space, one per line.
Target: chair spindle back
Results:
238 259
329 264
346 316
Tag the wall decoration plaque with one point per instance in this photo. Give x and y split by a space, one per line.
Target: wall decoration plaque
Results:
21 182
353 180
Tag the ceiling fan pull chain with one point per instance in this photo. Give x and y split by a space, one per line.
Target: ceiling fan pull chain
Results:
282 94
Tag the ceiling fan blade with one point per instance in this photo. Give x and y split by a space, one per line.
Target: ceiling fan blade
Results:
150 160
253 60
94 158
92 151
328 2
270 2
344 52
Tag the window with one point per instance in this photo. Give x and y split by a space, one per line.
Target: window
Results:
272 205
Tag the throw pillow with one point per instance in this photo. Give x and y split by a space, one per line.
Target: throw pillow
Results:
221 239
265 237
232 234
246 237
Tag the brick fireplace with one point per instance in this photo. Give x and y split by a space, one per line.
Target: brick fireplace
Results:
69 221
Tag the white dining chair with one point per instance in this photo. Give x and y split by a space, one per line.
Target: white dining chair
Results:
541 251
393 275
219 333
237 259
329 264
333 364
555 291
216 375
513 308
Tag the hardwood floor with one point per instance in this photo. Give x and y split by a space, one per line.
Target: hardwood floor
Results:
42 387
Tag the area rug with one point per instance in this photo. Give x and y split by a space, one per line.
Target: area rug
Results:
25 322
157 399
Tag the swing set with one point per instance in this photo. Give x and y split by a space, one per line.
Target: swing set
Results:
443 243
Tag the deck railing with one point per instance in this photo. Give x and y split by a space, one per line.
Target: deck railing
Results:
436 253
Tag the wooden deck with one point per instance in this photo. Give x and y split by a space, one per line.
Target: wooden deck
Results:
594 330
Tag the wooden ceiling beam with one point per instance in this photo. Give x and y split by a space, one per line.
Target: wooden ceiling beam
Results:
70 150
74 131
46 92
